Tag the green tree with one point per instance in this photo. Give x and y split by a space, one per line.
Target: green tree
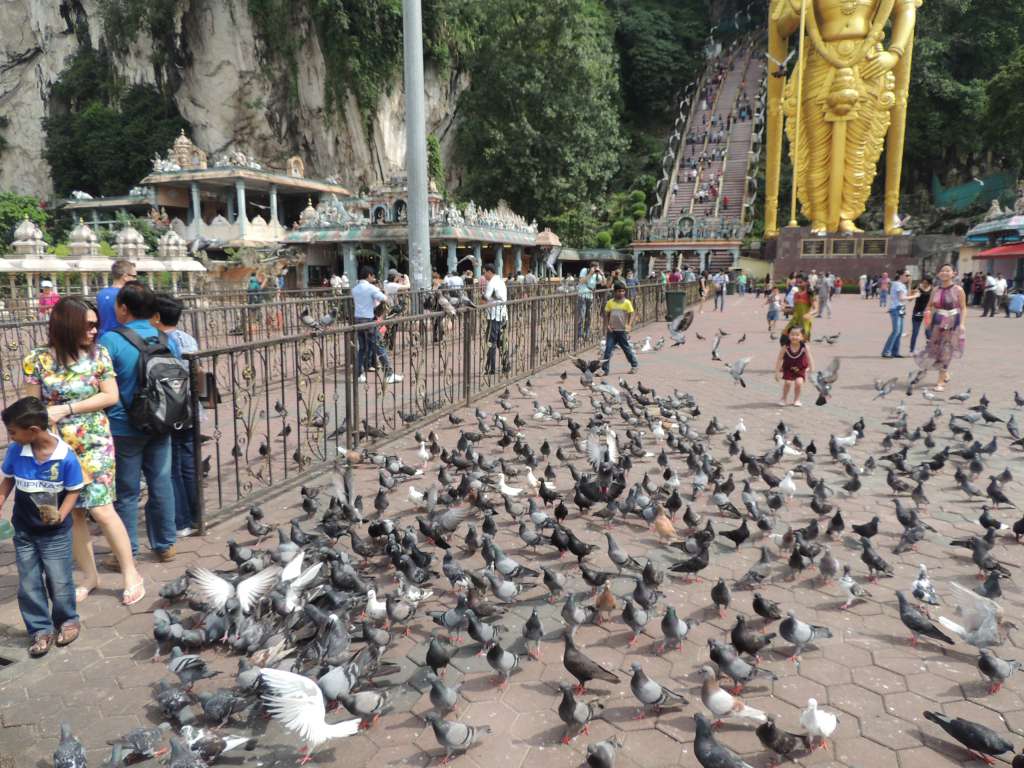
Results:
540 121
101 139
1006 108
435 165
13 210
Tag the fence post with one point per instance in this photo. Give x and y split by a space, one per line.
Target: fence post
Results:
468 329
194 375
351 391
533 333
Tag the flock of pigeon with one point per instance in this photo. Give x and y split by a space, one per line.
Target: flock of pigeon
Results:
311 608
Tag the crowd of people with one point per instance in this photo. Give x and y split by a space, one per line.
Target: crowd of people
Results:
107 404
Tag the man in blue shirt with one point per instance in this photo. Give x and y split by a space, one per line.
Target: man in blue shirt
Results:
121 271
136 453
46 477
365 298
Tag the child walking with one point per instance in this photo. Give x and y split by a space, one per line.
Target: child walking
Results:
618 322
46 477
774 303
793 365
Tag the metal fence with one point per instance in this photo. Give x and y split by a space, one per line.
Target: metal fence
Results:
275 409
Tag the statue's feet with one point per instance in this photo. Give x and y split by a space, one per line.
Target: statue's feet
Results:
847 226
892 225
818 228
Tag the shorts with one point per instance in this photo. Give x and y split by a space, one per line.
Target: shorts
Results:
773 315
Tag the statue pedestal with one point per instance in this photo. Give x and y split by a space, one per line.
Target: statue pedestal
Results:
796 249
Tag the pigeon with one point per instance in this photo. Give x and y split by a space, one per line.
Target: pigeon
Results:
781 742
765 608
650 693
995 669
216 592
576 714
368 706
818 723
918 625
533 633
582 667
601 754
723 704
747 641
188 667
980 741
438 656
851 588
674 629
729 662
298 704
800 634
143 743
721 596
210 745
503 662
69 753
183 757
977 618
455 737
922 588
711 754
443 699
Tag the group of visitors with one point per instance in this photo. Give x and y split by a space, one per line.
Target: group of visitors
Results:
107 403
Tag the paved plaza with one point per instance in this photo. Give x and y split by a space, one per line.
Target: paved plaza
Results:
867 673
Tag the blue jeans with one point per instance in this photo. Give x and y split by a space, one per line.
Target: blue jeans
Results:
149 456
892 344
583 306
617 339
883 298
46 589
720 299
370 347
183 477
915 323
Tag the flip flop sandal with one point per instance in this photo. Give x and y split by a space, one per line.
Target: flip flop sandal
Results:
134 594
40 646
68 633
81 593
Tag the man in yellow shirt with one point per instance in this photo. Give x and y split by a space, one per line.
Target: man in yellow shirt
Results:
618 322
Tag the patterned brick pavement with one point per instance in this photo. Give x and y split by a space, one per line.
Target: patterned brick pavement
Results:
868 673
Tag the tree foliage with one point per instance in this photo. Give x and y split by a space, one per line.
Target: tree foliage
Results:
1005 114
540 121
100 138
13 210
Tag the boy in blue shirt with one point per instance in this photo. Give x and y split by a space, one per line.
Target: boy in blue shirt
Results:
46 477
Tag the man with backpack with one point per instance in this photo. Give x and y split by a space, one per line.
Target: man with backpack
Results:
152 382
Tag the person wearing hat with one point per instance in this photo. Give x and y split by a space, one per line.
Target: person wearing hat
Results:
618 322
47 298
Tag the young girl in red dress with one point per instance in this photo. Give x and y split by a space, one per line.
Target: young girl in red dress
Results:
793 365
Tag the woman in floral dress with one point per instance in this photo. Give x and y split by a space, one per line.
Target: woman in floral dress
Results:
946 316
75 378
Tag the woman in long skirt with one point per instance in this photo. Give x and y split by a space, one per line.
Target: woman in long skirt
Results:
946 316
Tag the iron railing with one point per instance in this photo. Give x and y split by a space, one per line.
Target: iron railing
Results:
276 409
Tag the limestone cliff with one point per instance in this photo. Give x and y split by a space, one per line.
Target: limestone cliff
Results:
228 96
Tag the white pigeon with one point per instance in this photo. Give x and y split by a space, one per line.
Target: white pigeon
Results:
846 441
377 610
296 580
818 723
787 486
416 496
298 704
215 591
411 592
787 449
423 453
507 490
722 704
740 426
658 430
923 588
647 347
851 588
531 480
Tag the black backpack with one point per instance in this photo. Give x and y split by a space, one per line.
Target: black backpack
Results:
162 403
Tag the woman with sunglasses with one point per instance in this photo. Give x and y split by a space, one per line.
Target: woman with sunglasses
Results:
75 378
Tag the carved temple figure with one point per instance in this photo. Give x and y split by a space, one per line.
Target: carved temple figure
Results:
845 100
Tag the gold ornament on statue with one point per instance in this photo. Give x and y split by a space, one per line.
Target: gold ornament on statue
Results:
845 101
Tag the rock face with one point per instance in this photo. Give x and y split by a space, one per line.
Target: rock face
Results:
229 98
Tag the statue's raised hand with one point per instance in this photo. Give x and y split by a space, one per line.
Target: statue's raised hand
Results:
878 66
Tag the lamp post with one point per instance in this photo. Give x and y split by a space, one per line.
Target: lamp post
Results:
416 146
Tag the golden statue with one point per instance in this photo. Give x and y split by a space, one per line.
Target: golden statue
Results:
846 99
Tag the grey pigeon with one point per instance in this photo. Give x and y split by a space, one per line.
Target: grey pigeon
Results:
650 693
582 667
533 633
188 667
781 742
601 754
182 756
367 705
733 665
636 619
455 737
438 656
800 634
711 754
576 714
503 662
995 669
674 629
69 753
916 622
220 705
143 743
977 738
443 698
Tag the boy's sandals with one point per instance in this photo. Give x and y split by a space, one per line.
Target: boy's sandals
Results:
134 594
40 645
68 633
81 593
